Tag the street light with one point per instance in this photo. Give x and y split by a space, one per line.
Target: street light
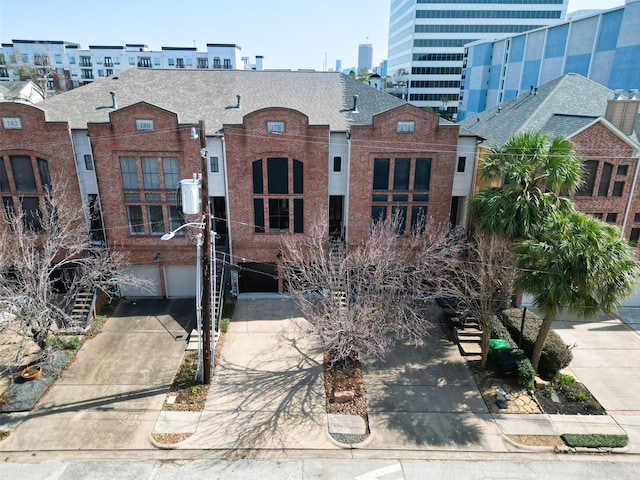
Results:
169 236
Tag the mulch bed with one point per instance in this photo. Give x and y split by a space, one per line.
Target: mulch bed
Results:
574 399
190 395
345 376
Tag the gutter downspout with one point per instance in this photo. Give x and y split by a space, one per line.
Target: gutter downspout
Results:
346 200
228 208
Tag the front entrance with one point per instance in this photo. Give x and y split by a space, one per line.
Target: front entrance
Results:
335 216
258 277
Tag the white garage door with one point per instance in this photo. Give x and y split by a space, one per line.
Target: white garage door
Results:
180 280
151 273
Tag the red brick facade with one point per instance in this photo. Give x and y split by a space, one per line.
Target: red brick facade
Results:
429 140
612 183
37 139
121 138
251 141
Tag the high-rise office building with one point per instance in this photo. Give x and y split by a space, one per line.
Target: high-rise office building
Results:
365 56
427 38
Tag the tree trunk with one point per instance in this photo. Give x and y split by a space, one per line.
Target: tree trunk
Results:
484 345
540 339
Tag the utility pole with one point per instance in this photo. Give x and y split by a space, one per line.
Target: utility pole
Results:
206 252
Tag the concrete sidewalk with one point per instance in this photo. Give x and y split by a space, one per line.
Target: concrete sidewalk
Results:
267 393
110 396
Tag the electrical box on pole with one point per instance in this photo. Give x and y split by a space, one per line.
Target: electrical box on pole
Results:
190 195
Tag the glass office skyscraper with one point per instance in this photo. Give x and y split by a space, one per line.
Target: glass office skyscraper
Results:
427 38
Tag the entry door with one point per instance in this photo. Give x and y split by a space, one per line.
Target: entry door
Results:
335 215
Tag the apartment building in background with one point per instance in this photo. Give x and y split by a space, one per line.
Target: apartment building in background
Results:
427 39
603 46
65 65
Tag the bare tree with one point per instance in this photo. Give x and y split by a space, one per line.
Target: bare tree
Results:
40 71
362 297
482 283
46 258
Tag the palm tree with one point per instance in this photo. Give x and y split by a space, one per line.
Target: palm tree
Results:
533 170
577 263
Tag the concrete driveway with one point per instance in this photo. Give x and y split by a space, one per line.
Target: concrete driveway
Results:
606 358
110 396
268 387
425 397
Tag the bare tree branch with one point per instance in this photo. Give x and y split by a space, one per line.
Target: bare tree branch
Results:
481 283
47 258
362 297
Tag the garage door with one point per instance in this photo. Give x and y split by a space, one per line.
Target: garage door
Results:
180 280
150 273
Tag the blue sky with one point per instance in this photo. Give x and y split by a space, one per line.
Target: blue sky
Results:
288 33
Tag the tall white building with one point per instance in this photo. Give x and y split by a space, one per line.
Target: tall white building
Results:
427 38
69 66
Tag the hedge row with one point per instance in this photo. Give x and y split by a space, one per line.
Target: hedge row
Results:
556 354
595 440
525 374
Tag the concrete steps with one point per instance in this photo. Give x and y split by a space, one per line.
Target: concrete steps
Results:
469 339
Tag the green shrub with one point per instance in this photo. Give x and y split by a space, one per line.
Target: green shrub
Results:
563 379
224 324
66 343
556 354
595 440
579 397
524 372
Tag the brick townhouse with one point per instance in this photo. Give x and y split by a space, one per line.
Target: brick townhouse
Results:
603 126
282 148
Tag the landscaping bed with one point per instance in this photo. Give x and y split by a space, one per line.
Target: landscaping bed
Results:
563 395
345 377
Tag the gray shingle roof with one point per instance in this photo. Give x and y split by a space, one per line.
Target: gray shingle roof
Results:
566 125
326 98
571 95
